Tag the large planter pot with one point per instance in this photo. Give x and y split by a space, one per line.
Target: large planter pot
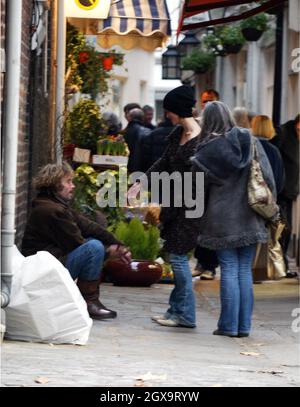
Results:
252 34
233 48
139 273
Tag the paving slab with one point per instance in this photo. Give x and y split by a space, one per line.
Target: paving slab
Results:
132 347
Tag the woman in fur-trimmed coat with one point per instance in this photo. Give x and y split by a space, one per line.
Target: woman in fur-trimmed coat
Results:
229 225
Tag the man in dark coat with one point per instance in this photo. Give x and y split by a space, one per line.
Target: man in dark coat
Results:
287 140
80 244
134 134
154 145
148 117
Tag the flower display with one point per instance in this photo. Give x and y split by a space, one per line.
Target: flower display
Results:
112 145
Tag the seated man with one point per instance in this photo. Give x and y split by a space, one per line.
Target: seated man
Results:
80 244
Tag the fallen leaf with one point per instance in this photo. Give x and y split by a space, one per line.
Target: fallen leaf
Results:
41 380
139 383
250 353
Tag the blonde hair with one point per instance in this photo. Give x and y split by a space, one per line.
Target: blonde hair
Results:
262 126
50 176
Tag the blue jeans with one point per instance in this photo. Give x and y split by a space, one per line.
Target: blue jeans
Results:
86 261
236 289
182 299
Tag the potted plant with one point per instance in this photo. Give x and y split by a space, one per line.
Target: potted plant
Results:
253 27
85 193
143 241
199 61
84 125
231 38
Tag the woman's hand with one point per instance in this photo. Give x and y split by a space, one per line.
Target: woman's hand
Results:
133 191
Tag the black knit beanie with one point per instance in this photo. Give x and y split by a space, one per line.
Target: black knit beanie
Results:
180 101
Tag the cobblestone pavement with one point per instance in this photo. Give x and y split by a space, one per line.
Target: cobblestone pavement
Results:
132 347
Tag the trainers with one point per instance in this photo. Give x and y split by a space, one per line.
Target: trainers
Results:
155 318
196 272
207 275
291 274
167 322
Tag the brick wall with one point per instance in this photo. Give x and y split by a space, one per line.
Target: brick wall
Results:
33 137
23 181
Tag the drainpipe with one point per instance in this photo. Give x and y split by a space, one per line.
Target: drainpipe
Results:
11 128
60 77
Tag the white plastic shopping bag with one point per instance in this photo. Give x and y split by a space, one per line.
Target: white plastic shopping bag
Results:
46 304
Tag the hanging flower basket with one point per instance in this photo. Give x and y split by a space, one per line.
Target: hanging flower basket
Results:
252 34
254 27
107 63
233 48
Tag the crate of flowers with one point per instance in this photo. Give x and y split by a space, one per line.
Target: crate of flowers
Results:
111 150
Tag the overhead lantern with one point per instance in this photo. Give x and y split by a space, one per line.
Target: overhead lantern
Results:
171 63
188 43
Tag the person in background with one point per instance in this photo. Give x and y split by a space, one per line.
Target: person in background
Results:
126 111
113 123
134 135
229 225
79 243
155 143
208 95
287 140
241 117
148 117
178 231
262 127
207 260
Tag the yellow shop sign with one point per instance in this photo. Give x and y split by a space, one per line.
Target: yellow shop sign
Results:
87 8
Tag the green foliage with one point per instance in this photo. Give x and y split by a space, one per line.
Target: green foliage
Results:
84 125
199 61
222 38
259 21
230 35
86 189
84 65
143 241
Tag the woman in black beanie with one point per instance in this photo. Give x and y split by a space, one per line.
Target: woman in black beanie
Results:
179 232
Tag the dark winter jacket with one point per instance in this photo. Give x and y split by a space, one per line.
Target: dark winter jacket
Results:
54 227
154 145
228 221
288 144
180 233
133 136
276 162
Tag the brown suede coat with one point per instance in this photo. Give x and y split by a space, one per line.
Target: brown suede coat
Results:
54 227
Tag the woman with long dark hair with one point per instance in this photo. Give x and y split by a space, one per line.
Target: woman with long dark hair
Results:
229 225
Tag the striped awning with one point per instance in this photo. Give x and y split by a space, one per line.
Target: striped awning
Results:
198 8
130 24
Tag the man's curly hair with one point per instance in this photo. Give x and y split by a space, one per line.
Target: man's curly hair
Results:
50 176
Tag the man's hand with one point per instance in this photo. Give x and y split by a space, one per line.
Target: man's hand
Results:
120 252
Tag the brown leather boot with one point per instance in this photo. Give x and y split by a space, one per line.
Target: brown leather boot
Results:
90 292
